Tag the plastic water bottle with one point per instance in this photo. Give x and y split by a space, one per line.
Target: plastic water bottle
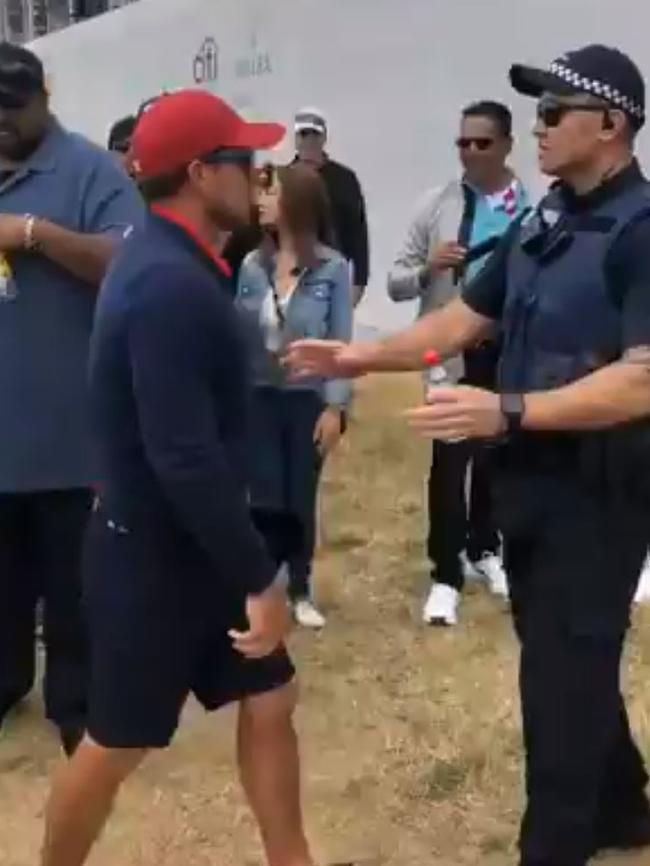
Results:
8 290
437 377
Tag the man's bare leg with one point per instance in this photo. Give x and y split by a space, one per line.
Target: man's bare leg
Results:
270 773
81 800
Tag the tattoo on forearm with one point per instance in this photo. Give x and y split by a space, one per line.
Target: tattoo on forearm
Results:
639 356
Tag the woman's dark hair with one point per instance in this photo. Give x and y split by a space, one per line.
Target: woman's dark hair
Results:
499 114
305 202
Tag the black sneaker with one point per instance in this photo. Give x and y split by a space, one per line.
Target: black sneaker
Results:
629 834
70 739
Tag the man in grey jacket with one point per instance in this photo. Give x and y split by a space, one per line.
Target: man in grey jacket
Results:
455 228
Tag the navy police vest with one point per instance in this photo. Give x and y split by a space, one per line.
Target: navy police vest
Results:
561 320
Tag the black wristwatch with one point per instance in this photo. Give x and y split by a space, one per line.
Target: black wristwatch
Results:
512 409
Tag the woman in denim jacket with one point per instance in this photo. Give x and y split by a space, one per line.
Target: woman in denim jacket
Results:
293 286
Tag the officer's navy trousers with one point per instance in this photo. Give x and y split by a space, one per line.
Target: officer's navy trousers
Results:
573 556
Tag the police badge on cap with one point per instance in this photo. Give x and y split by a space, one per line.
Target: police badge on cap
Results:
596 69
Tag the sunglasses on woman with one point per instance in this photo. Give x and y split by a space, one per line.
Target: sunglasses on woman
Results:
482 144
266 177
551 111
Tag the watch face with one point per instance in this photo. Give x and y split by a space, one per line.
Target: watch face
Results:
512 403
512 406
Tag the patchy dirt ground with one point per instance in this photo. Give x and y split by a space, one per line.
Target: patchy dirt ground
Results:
411 740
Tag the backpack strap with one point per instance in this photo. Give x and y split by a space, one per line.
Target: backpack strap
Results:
465 227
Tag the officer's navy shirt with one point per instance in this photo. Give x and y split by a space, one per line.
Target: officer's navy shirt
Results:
170 389
45 323
627 265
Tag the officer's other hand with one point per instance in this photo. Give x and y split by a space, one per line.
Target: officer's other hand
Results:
458 413
12 232
448 255
269 623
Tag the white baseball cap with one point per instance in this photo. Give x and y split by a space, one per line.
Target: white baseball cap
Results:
312 119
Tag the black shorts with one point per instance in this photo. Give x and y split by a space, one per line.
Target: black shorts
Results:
158 621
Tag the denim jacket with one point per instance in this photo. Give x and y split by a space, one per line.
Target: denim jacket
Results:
320 308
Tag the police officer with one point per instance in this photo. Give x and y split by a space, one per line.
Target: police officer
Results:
571 289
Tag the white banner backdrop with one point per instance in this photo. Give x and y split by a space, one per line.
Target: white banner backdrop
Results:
391 75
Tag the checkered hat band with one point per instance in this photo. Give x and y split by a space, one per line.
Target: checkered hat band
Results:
598 88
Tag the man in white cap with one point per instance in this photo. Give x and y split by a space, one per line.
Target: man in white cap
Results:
344 190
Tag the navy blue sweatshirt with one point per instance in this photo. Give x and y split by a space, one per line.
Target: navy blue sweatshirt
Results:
170 390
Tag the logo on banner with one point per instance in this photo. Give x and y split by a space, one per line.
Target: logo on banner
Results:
255 63
206 62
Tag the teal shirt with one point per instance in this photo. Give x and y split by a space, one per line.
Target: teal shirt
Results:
490 221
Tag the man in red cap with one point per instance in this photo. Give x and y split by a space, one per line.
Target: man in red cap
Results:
180 592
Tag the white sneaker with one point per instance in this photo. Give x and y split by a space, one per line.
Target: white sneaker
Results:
643 589
491 567
442 605
307 615
471 573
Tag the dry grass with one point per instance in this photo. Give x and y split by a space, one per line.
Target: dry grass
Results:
410 736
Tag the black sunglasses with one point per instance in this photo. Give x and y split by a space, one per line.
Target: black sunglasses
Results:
230 156
266 177
481 144
11 100
122 146
18 84
551 112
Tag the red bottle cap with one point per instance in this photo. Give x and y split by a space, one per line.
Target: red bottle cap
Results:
432 358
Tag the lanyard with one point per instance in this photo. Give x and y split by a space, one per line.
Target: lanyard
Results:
277 301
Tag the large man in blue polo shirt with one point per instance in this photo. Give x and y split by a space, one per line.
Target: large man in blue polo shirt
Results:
64 204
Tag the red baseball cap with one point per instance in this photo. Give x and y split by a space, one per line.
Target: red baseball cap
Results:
183 126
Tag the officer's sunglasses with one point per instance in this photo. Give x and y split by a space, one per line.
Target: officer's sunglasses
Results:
480 143
551 111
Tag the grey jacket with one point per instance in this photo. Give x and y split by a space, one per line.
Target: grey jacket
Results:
436 220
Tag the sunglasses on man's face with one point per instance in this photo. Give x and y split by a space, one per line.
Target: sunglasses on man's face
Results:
551 112
230 156
478 143
123 146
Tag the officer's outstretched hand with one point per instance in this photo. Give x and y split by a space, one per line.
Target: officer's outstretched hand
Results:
269 623
331 359
452 414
